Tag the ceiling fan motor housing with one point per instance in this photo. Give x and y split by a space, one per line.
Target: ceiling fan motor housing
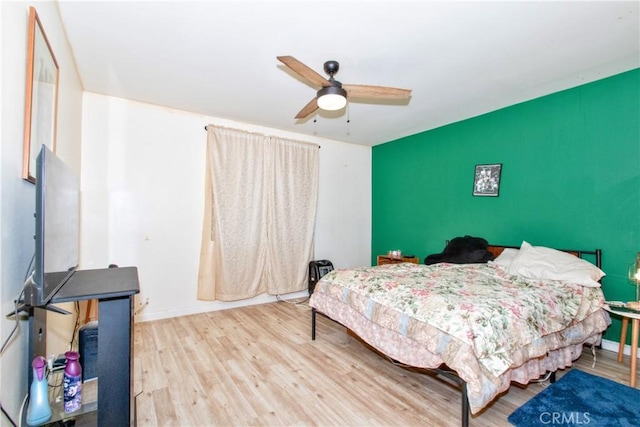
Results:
331 67
332 97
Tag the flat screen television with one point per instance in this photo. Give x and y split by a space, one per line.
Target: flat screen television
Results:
57 228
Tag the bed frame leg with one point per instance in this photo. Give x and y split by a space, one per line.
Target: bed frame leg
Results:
465 406
313 324
552 377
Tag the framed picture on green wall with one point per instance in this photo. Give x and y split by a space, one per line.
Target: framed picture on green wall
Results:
486 181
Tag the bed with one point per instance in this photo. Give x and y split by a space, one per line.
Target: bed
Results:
527 313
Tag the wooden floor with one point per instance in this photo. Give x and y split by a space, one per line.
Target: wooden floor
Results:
257 366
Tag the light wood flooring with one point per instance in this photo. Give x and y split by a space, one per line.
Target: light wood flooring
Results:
257 366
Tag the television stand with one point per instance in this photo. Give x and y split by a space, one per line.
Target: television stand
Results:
114 289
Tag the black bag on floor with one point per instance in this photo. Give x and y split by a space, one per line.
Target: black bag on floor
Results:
317 269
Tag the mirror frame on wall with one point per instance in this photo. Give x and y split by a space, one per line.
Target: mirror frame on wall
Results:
41 99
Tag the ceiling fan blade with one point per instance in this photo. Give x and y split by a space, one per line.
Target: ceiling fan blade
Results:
367 91
304 71
308 109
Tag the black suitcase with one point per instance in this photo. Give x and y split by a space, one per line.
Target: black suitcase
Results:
317 269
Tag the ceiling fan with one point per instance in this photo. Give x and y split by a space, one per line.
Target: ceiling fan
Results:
332 95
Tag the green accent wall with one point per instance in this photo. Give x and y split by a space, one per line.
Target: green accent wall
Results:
570 179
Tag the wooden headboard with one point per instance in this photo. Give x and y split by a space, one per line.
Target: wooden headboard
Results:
497 250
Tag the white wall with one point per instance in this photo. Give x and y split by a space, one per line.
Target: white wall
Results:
17 197
142 199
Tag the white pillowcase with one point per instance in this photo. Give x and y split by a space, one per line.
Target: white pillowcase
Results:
539 262
506 256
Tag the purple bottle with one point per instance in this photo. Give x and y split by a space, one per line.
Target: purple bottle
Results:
72 382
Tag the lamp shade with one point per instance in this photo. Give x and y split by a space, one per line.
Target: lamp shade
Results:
634 275
332 98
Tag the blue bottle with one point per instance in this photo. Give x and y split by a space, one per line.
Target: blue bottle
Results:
72 382
39 410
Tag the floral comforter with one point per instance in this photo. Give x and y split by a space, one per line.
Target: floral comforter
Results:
487 325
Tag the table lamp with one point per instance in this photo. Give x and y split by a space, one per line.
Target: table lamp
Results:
634 277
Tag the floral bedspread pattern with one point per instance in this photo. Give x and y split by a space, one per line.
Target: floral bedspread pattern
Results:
457 313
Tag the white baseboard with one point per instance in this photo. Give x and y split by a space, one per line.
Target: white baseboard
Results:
204 307
613 346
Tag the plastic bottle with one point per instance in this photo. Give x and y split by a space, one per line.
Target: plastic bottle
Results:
72 382
39 410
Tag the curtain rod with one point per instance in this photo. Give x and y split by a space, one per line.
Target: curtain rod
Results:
305 142
235 129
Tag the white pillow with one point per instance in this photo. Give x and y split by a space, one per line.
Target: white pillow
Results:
538 262
505 258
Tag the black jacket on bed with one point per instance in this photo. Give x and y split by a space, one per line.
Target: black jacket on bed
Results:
462 250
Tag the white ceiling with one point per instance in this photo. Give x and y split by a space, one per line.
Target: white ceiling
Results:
461 59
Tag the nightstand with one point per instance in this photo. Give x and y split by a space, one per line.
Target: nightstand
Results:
385 259
635 331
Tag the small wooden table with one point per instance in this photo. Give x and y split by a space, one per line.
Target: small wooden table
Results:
385 259
635 330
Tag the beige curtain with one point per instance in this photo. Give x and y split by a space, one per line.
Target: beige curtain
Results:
260 207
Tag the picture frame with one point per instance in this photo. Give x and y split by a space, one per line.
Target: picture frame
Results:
41 99
486 181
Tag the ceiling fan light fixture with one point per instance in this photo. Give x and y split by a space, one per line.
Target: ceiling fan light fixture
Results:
332 98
